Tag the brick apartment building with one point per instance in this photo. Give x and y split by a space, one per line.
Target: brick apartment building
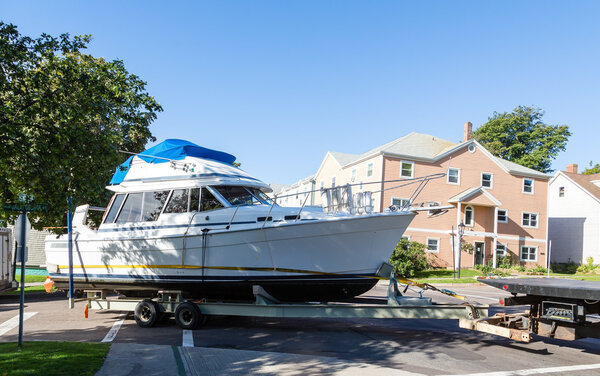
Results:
502 204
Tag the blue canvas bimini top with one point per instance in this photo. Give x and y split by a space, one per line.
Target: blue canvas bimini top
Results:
171 149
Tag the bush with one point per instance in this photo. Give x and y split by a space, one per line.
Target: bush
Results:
538 269
408 258
504 262
564 268
519 268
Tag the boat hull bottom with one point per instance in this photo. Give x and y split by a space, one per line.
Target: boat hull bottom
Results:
294 291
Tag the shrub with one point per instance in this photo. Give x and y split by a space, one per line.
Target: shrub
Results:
504 262
408 258
519 268
564 268
538 269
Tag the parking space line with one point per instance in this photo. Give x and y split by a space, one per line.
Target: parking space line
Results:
14 322
537 371
112 333
188 338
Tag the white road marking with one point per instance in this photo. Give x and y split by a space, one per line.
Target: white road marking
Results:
112 333
536 371
188 338
14 322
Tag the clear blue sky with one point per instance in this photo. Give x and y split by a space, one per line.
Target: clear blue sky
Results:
279 83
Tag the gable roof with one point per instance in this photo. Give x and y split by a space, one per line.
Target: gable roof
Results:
343 158
473 192
425 147
585 182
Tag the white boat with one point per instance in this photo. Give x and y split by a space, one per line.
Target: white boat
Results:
184 218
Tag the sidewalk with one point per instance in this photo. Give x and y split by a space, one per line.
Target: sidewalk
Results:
150 360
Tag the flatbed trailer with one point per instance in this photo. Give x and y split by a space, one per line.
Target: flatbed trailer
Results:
559 308
191 314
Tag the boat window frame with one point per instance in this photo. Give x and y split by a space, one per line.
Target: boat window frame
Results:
217 195
120 207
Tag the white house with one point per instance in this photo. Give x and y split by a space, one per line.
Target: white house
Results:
574 216
299 194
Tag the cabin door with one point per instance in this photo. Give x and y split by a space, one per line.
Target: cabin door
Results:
479 249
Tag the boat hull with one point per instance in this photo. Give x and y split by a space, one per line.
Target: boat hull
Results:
328 259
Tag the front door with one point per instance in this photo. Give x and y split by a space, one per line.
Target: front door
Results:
479 248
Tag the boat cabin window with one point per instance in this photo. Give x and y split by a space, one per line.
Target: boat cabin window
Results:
153 204
237 195
194 199
114 209
178 202
262 196
209 202
132 208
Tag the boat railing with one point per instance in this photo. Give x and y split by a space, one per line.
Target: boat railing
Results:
341 199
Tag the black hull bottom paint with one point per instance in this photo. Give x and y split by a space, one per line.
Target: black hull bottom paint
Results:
284 290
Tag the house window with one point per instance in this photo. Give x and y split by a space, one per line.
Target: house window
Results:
433 245
469 216
370 170
500 250
453 176
333 182
503 215
530 220
353 176
406 169
487 179
400 202
528 253
528 186
561 192
322 184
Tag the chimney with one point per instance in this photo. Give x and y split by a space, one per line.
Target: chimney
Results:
468 131
572 168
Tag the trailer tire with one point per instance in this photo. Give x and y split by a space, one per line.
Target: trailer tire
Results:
146 313
188 316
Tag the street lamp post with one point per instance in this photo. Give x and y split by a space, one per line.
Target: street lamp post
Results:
461 232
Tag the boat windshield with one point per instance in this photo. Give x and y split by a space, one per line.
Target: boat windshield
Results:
238 196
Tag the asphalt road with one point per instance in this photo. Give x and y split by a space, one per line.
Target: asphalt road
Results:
430 347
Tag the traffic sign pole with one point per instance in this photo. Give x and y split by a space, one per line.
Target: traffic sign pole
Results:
70 245
22 254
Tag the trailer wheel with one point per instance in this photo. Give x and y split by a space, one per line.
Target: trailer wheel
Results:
188 316
146 313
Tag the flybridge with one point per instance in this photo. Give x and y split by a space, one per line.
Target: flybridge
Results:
168 151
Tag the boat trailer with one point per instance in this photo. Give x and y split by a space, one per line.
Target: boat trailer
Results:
558 308
193 314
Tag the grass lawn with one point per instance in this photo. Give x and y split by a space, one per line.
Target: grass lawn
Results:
29 289
31 278
52 358
445 273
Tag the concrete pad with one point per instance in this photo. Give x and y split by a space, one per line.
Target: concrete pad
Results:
134 359
210 361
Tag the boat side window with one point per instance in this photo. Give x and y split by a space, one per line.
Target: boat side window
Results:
262 196
194 199
153 204
236 195
208 201
114 209
178 202
132 208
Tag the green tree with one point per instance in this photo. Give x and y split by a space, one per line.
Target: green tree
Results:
593 169
408 258
522 137
63 117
